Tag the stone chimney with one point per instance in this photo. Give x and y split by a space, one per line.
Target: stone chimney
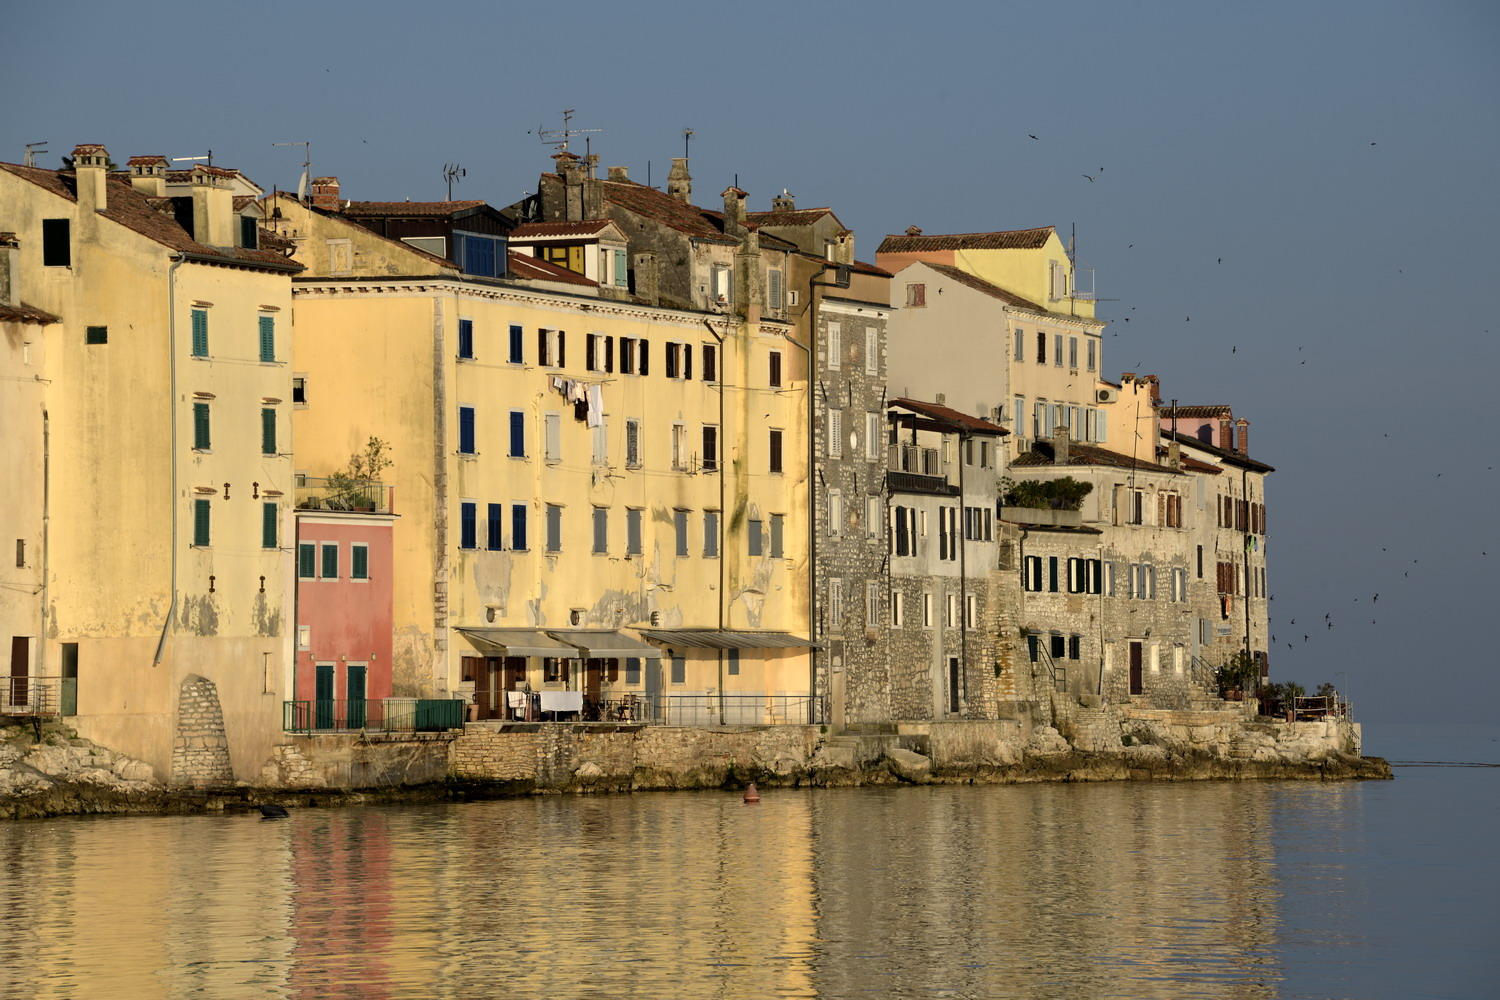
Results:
10 249
783 202
619 173
843 247
213 207
1226 434
1062 446
679 182
325 194
734 211
91 170
647 280
1242 436
570 169
913 230
1174 454
148 175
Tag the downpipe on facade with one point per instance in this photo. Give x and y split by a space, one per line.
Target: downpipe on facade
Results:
172 437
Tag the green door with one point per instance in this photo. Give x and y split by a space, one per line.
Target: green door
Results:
69 678
323 695
354 689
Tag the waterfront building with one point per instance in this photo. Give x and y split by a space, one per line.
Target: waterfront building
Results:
158 386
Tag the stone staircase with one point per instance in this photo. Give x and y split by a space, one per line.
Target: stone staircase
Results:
1094 730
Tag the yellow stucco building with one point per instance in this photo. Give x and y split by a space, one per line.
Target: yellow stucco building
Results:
164 458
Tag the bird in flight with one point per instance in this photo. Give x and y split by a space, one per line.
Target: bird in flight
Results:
1030 136
1088 178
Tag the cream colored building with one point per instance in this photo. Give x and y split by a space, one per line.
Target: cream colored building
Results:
165 462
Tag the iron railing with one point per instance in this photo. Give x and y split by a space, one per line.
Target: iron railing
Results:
391 715
37 696
688 710
315 493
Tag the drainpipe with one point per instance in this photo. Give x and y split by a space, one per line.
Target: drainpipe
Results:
963 578
812 519
1249 573
723 512
41 636
172 437
440 496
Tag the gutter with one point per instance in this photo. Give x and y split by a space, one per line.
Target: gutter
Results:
723 520
172 437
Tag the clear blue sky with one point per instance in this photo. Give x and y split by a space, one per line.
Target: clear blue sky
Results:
1338 157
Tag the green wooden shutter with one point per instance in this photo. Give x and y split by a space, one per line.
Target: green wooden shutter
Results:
268 338
307 560
331 561
268 525
359 562
201 514
201 438
200 333
268 431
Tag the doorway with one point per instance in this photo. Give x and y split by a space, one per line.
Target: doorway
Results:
323 697
354 691
18 690
69 678
953 706
1136 680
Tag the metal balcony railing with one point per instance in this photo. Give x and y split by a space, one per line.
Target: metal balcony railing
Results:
390 715
686 710
316 493
38 696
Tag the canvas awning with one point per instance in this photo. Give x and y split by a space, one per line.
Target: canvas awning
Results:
517 642
714 638
604 644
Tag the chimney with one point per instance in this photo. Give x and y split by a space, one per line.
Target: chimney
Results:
679 182
325 194
1242 436
734 211
913 230
843 247
1061 446
213 207
570 169
1174 454
783 202
1226 436
646 278
91 170
148 175
10 249
619 173
942 399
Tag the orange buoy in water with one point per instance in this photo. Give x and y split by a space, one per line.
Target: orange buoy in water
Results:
751 795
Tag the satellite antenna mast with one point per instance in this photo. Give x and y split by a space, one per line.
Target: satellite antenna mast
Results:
306 166
687 137
451 173
32 151
558 137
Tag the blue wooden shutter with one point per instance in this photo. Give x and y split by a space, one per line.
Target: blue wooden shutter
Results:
468 529
517 349
517 434
518 527
493 517
466 430
268 338
466 338
200 333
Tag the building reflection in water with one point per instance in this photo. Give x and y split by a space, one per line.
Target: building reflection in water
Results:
1068 891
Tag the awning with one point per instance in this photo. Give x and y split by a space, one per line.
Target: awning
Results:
516 642
604 644
713 638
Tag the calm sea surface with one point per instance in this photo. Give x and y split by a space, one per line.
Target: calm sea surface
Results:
1382 889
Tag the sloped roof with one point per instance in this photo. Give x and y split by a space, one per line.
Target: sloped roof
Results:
590 227
989 288
26 314
956 419
1009 239
534 269
788 217
365 233
406 208
1199 412
666 209
1042 453
129 208
1223 454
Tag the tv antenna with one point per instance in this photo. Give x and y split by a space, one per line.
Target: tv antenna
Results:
558 137
33 149
306 166
451 173
194 159
687 137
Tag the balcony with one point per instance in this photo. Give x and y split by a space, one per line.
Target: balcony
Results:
388 715
38 697
314 493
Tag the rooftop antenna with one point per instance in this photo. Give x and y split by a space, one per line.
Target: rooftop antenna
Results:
558 137
687 137
195 159
451 173
306 166
33 149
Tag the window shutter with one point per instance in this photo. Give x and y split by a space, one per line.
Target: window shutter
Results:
201 438
589 351
359 562
268 431
268 338
1052 574
645 358
562 349
518 527
687 361
268 526
57 247
307 561
466 430
201 522
542 357
622 273
609 354
517 434
200 333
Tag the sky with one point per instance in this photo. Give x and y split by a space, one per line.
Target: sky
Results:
1292 203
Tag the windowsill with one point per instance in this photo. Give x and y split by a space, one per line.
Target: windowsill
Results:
469 455
462 358
203 451
519 458
272 363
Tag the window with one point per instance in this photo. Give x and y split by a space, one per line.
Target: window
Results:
200 333
872 604
632 444
835 433
622 270
1200 562
1135 506
835 512
971 610
1075 647
679 670
1040 419
643 357
632 532
299 390
1169 509
904 533
517 434
674 360
1076 582
1058 646
330 569
307 560
775 445
201 522
872 436
96 335
835 604
466 338
270 524
778 529
1020 352
948 533
202 439
267 431
1041 347
774 375
1092 574
1093 355
477 254
627 355
680 529
601 441
632 670
710 534
872 352
554 528
898 609
1073 352
494 515
927 610
1020 417
601 531
1057 349
517 345
679 447
466 430
710 447
1052 587
594 350
872 515
359 561
468 528
775 286
916 295
950 610
721 289
710 363
57 243
834 346
755 536
551 348
732 662
554 670
518 527
1031 574
552 437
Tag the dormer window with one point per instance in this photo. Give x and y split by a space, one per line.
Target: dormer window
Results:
479 255
720 291
249 232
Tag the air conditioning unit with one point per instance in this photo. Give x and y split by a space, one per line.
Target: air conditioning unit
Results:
1107 394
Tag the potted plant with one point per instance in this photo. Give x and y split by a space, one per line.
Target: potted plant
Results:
354 488
1234 675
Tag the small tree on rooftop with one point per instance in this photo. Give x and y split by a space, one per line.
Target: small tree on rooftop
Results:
351 486
1066 493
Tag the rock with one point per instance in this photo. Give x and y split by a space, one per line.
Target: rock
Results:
53 761
908 765
835 756
588 772
97 776
134 770
1145 754
1047 742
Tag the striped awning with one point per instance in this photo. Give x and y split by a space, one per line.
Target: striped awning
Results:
715 638
516 642
604 644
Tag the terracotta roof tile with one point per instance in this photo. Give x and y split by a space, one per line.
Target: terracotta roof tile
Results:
531 268
1011 239
1223 454
25 314
591 227
788 217
1042 453
664 208
1199 412
991 289
956 419
146 161
407 208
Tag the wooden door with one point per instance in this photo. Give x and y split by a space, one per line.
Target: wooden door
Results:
323 697
354 693
1136 681
20 670
953 705
593 684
